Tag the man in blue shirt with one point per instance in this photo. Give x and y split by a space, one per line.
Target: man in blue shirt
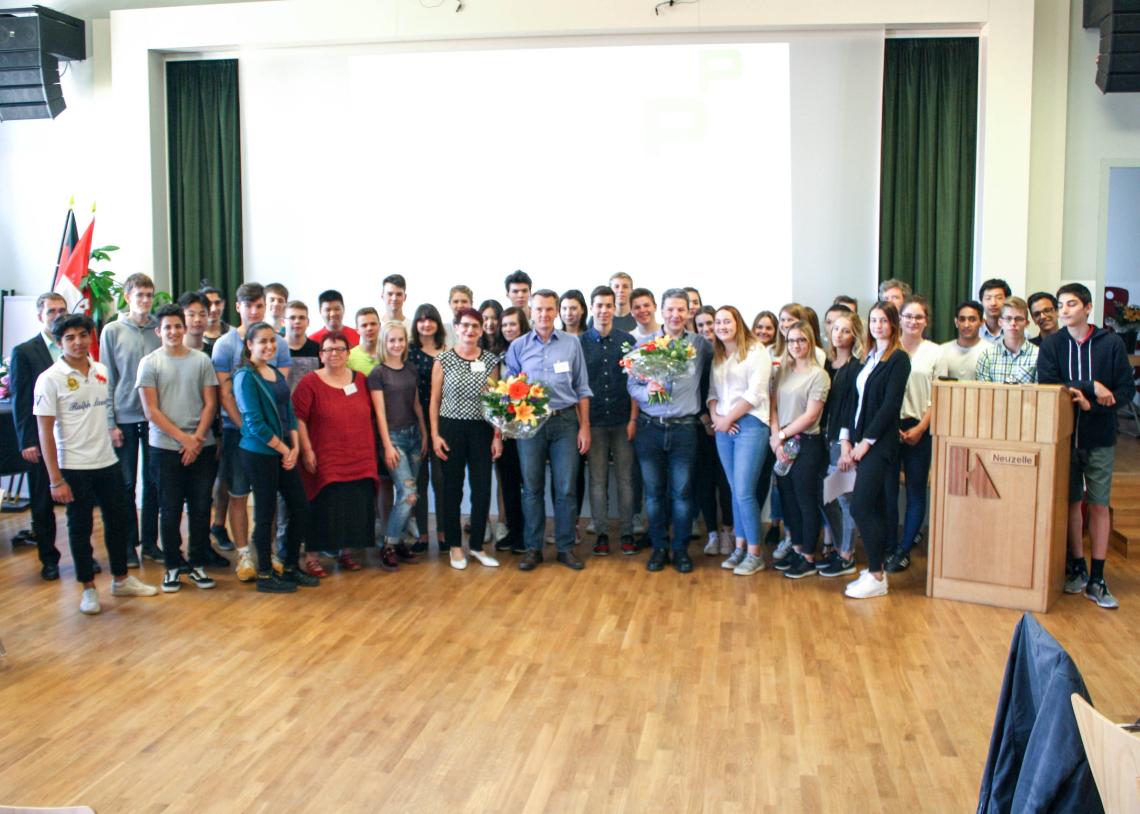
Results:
666 439
612 417
554 360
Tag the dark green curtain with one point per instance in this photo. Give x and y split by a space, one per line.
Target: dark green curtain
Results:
204 149
926 210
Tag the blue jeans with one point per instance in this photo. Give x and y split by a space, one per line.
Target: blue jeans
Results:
742 457
837 514
558 441
914 462
407 442
666 454
146 530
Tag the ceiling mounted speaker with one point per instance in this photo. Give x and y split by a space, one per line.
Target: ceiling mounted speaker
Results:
32 43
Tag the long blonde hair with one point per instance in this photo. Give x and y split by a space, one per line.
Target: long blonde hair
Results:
744 338
797 311
858 349
787 362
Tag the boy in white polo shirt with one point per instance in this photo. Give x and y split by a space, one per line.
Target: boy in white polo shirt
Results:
71 405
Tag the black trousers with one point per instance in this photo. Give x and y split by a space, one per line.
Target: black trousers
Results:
268 479
43 513
801 492
510 479
103 488
711 483
435 478
869 500
470 453
192 485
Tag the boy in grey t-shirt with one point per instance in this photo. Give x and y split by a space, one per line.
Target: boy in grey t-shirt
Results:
179 392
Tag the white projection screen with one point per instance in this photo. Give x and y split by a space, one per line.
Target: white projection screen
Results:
673 161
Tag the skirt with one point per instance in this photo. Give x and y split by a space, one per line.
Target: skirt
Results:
343 516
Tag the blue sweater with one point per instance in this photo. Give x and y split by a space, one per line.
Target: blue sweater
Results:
257 403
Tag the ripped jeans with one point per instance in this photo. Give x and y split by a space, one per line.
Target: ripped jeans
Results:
407 442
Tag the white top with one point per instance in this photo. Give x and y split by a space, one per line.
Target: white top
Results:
958 362
733 379
916 399
641 336
80 406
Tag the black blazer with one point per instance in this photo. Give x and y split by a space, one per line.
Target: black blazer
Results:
882 401
29 360
839 412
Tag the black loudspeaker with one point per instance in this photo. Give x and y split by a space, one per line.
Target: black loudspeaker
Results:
1118 63
32 42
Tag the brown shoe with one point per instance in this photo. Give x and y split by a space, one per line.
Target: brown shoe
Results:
570 560
405 554
530 560
388 560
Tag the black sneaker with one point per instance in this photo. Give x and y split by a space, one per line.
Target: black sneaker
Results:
172 582
222 538
518 546
839 568
153 552
826 560
602 545
774 534
788 561
505 544
132 558
198 577
800 568
272 584
682 561
899 561
298 577
628 544
658 560
419 547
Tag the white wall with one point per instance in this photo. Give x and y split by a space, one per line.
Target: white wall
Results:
129 170
1122 253
1103 131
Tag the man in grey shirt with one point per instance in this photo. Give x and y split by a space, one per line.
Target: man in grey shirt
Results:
179 392
123 344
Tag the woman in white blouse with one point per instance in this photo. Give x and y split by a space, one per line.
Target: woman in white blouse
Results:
738 407
914 433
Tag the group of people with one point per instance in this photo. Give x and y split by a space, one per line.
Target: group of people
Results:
342 431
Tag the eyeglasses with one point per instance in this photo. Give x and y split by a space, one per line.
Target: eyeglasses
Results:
800 341
914 317
1016 320
1044 312
334 350
471 326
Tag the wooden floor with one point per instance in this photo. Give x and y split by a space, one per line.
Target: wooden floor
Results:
612 689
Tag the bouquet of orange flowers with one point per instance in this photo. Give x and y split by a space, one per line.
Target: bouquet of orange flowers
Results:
662 359
515 406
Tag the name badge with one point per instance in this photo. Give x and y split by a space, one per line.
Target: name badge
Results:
561 367
478 367
351 389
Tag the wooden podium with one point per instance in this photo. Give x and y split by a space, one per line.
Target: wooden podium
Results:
999 497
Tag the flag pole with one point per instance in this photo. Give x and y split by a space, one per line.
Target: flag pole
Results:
69 229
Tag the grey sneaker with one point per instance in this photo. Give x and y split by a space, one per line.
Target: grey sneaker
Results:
783 549
752 563
734 559
1097 591
1075 581
131 586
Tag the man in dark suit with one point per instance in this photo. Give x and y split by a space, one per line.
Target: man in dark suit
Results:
29 360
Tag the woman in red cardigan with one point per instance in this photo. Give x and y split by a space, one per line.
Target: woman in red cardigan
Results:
338 456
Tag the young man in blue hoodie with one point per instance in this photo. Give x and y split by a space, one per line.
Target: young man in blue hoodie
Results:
1091 362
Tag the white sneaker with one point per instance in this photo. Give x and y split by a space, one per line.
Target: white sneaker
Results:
459 564
591 528
245 570
712 547
726 541
485 559
132 586
867 587
501 531
89 604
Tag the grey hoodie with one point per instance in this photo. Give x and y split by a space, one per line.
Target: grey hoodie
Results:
122 345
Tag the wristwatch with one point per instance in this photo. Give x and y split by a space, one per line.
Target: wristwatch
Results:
782 436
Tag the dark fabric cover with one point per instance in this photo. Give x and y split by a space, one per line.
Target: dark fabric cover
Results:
1037 761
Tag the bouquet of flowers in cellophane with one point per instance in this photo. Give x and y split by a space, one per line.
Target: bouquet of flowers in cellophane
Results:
662 359
515 406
